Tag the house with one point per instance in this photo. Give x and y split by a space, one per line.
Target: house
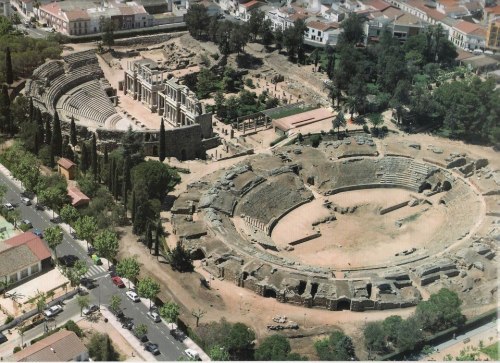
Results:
5 8
491 13
62 346
318 32
66 168
284 17
23 256
78 199
245 10
468 35
493 35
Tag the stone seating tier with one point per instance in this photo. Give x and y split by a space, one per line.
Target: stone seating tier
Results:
88 101
77 60
49 70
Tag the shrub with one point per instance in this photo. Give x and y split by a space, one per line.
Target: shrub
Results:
24 227
17 349
9 319
215 56
384 129
366 129
71 326
300 137
323 132
332 132
315 140
249 83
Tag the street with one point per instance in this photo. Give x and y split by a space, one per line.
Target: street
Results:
158 333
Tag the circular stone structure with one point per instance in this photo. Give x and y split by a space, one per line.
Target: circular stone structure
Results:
356 233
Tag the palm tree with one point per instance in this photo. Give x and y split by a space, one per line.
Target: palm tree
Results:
339 121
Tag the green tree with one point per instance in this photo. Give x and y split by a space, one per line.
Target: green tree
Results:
376 120
180 259
440 312
26 169
274 347
101 348
293 37
93 157
54 237
219 354
148 288
352 30
239 342
128 268
53 197
82 301
106 244
162 152
391 326
409 334
75 273
170 312
140 330
266 32
56 142
86 228
9 74
374 337
69 214
107 29
156 177
48 129
255 23
336 347
205 83
197 20
114 303
339 121
73 133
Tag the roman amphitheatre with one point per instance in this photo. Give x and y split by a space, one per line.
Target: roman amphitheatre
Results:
357 223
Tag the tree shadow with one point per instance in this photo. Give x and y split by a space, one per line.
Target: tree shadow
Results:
248 61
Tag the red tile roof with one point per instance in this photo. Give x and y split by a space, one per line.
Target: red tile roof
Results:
466 27
77 197
73 15
34 243
322 26
251 4
65 163
377 4
493 10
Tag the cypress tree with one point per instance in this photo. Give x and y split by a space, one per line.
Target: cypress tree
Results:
31 110
115 189
149 237
111 169
132 212
126 176
162 151
39 122
9 75
72 132
56 141
36 144
106 156
48 131
159 233
84 161
94 159
52 162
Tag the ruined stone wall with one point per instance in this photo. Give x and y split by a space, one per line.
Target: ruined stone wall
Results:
184 143
205 121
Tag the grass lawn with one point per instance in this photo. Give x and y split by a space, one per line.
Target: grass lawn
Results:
492 351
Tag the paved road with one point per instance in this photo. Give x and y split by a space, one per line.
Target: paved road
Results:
158 333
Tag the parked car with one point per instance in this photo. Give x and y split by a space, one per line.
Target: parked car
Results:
39 206
154 316
25 201
56 220
132 295
38 233
128 324
152 348
52 311
90 309
29 195
27 223
68 260
88 283
118 281
8 206
178 334
191 353
118 313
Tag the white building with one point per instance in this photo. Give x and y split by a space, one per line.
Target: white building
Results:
321 33
467 35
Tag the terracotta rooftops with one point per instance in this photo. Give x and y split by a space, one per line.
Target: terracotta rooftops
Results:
62 346
251 4
77 197
65 163
20 252
467 27
322 26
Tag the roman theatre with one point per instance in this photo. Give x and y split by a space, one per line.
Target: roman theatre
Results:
358 233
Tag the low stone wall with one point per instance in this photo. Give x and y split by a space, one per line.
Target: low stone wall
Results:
366 186
275 221
394 207
304 239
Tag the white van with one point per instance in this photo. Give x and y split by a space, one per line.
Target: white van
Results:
477 51
191 353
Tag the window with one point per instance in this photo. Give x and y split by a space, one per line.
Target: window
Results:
13 278
34 269
24 273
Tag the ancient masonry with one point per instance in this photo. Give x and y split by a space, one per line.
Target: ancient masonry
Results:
264 188
75 86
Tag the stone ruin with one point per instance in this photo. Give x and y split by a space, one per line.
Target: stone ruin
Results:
264 188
